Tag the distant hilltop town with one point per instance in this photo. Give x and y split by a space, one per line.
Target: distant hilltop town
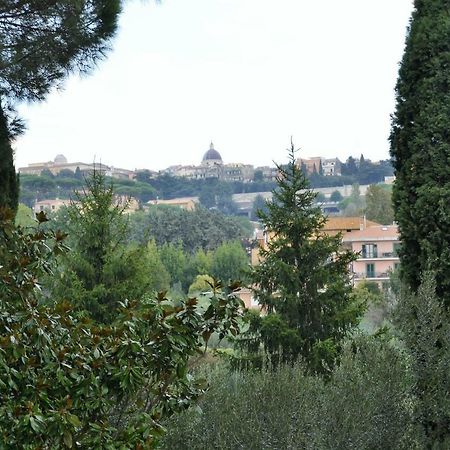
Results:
211 166
60 164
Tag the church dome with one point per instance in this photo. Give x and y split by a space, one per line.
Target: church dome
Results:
60 159
212 156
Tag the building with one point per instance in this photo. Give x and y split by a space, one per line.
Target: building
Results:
50 205
331 167
237 172
60 163
250 302
323 166
345 225
310 165
212 166
187 203
268 173
377 248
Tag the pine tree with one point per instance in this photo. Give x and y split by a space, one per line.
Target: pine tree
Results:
303 277
420 146
40 43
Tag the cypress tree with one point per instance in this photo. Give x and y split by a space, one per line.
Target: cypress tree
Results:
9 185
420 146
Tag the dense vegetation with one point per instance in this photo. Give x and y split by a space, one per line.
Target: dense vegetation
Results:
420 146
197 229
92 357
390 391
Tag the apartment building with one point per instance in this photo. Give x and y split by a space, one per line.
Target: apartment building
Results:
377 248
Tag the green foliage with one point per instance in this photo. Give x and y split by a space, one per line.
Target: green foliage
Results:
207 198
230 262
320 198
259 204
303 276
24 216
174 260
202 283
420 147
377 305
365 404
101 270
63 185
336 196
66 382
202 262
379 205
198 229
258 175
9 185
424 325
157 274
44 41
353 205
40 43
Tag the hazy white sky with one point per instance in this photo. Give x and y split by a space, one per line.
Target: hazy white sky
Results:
247 74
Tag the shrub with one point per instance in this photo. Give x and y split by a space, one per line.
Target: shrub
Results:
366 403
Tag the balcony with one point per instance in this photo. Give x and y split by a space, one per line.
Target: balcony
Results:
371 275
376 255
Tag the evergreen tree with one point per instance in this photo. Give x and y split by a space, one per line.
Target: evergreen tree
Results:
40 42
420 146
259 204
303 277
9 183
102 270
336 196
424 324
350 167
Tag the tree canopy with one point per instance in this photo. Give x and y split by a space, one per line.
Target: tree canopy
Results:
41 41
379 204
420 146
68 382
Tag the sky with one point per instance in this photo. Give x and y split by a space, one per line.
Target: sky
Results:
245 74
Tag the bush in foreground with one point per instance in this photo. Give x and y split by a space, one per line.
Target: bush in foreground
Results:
367 403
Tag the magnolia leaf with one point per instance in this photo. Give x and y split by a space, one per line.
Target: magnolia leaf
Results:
34 424
68 441
74 420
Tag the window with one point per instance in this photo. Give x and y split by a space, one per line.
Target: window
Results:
370 270
369 251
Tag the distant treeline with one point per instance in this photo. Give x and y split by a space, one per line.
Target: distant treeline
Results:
164 186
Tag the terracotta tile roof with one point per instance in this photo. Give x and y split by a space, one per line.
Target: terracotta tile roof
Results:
347 223
374 233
